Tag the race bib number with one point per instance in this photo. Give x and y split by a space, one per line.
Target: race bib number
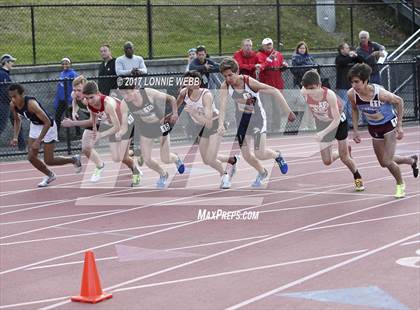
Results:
165 127
130 119
394 122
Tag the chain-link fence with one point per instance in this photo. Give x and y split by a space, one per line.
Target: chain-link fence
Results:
402 76
41 34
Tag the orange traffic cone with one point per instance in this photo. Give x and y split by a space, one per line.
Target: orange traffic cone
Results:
91 290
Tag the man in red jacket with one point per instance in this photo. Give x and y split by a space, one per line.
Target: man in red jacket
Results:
271 63
269 69
246 58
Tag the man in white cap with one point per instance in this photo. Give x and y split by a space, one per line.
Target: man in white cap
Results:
7 62
271 64
130 64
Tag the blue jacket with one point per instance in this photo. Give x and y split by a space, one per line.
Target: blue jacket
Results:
4 77
60 95
301 60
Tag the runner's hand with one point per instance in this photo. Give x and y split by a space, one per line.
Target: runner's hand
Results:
356 137
221 130
13 142
67 123
400 132
291 117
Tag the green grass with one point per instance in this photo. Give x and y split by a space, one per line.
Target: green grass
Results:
77 32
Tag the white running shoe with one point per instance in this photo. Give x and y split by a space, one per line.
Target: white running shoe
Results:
47 180
225 183
96 176
260 179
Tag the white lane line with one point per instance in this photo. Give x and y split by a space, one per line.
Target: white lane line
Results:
58 217
90 233
172 249
30 203
113 287
159 231
319 273
300 261
411 242
245 270
363 221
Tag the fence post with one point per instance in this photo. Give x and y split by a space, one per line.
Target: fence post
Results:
65 81
278 23
413 17
33 36
149 29
351 26
219 30
416 87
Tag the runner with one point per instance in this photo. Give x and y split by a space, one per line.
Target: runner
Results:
331 123
250 117
377 104
200 106
43 129
151 123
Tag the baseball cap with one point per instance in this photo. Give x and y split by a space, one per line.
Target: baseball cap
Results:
7 57
128 44
267 41
65 59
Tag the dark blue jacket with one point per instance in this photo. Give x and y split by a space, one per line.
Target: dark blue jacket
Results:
301 60
196 65
60 95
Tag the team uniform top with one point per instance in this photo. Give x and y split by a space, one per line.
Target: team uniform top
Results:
101 110
376 111
148 113
249 110
31 116
84 111
321 109
198 105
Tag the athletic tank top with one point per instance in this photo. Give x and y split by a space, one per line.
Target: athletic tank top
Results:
31 116
83 110
321 109
376 111
101 110
198 105
149 112
247 102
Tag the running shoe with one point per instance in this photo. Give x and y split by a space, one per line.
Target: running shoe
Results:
161 183
96 176
282 164
225 182
414 166
136 179
260 179
77 163
47 180
179 165
400 191
358 185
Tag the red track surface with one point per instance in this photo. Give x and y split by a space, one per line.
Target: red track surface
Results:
313 233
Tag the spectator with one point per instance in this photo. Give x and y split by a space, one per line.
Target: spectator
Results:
270 66
343 62
246 58
7 62
300 58
63 99
130 64
370 52
106 68
204 65
192 54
